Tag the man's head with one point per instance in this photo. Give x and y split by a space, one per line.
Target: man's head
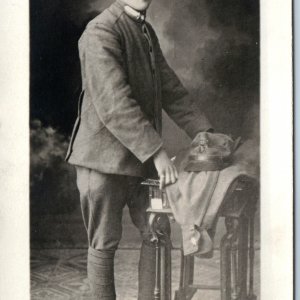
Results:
139 5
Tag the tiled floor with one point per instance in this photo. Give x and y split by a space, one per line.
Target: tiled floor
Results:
61 274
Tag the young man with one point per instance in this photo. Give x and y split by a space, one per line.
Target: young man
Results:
116 140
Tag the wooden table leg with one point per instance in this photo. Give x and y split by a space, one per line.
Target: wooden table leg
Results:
180 293
251 295
168 270
162 271
159 224
235 261
185 291
243 257
157 272
235 292
225 264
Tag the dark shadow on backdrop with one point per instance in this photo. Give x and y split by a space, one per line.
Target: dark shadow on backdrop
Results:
230 68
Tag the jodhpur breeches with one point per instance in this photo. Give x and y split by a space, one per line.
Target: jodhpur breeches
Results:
103 197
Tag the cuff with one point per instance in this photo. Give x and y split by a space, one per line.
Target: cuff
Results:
151 152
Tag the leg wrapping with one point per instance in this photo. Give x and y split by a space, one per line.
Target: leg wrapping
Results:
100 270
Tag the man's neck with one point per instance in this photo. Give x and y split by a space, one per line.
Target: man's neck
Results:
124 3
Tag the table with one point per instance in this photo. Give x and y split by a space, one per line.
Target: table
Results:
236 247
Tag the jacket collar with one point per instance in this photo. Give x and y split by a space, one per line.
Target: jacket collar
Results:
132 13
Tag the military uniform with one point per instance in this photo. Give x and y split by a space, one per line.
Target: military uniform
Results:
126 83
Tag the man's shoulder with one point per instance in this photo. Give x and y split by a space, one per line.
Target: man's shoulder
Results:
107 18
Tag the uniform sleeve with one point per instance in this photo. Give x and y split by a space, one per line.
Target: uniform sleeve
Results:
176 100
111 94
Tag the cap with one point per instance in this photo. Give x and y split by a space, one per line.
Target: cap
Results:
210 152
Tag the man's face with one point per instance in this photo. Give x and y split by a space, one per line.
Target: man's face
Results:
138 4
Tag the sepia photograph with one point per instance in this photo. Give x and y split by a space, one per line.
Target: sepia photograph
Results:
150 165
144 149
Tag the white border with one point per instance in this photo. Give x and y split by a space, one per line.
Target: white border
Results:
276 151
297 143
276 158
14 150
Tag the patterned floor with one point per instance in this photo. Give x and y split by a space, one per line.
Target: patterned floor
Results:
61 274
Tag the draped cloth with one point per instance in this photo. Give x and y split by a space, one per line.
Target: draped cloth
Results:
196 197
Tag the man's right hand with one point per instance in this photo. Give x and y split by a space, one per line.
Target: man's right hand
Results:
165 168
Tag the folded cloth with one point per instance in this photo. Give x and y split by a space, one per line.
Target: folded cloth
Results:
197 196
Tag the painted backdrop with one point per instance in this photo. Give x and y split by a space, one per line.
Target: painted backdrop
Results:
213 45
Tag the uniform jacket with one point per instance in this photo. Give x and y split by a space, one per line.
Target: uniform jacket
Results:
126 83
